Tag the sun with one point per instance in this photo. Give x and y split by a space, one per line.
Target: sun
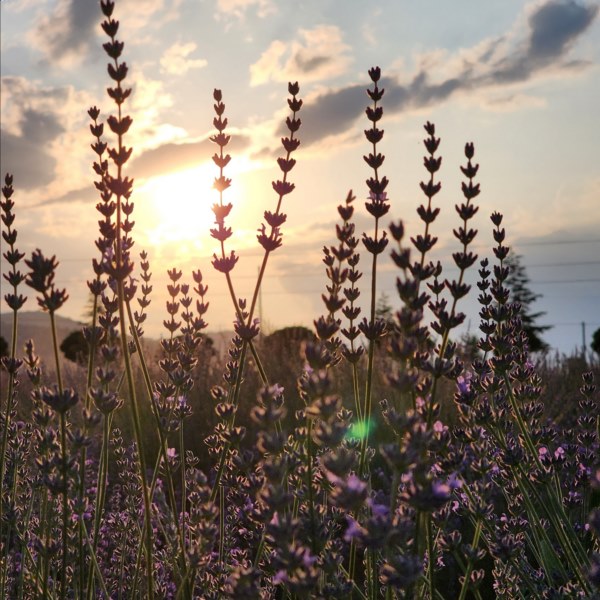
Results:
174 211
177 207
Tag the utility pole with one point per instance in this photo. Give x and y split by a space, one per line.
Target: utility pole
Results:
260 305
583 339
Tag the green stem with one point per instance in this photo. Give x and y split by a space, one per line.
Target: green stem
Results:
55 348
469 568
65 506
162 437
430 555
92 554
101 493
556 512
309 483
135 415
221 526
83 459
9 407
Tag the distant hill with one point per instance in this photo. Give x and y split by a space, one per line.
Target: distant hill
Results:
35 325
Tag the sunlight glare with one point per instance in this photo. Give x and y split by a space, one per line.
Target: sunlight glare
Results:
179 214
180 206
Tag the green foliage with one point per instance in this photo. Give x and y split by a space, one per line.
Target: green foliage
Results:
518 284
595 345
384 309
75 348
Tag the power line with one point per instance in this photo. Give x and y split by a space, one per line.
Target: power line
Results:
253 253
558 242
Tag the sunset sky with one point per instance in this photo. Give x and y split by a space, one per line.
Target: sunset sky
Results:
519 79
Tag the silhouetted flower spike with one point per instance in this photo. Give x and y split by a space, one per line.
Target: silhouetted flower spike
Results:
41 279
225 264
113 48
466 211
496 218
272 240
107 7
14 277
61 402
397 230
110 27
375 74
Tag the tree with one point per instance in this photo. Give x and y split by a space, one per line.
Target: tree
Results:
595 345
384 310
3 347
518 284
75 347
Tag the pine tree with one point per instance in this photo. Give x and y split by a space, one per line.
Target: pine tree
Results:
384 310
595 345
518 284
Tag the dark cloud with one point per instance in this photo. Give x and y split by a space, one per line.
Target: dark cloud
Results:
173 157
30 164
167 158
26 155
553 28
330 114
308 64
555 25
87 195
69 30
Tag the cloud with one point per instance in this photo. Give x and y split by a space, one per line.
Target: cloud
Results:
318 54
172 157
28 160
67 35
64 36
167 158
175 60
553 28
88 195
238 8
34 119
555 25
18 6
543 49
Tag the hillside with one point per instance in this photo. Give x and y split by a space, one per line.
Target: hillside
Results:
35 325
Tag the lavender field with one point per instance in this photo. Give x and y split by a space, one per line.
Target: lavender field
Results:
381 453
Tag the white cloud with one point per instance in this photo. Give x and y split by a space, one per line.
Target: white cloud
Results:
144 14
317 54
238 8
44 129
18 6
506 102
175 60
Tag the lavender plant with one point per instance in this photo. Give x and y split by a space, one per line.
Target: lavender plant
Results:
312 503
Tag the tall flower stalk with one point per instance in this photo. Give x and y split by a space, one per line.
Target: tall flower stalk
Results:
119 266
377 206
246 326
11 364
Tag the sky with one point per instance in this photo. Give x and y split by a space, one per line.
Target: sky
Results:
518 79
